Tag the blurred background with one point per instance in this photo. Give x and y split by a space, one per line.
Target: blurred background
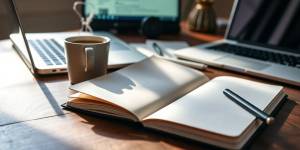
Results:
58 15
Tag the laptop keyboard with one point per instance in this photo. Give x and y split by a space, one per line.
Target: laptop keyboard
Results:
49 50
278 58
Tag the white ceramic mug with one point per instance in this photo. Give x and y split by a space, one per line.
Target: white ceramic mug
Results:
87 57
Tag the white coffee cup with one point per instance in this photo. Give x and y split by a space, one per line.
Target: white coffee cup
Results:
87 57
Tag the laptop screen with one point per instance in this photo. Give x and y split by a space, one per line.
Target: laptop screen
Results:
133 9
18 33
270 23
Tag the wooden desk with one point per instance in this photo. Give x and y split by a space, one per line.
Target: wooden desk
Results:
31 116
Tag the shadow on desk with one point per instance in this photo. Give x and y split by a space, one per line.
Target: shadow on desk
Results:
270 136
127 130
51 99
26 135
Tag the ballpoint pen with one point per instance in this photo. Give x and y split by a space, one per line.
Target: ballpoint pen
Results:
160 53
248 106
157 49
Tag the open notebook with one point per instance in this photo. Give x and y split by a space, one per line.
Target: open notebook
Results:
173 98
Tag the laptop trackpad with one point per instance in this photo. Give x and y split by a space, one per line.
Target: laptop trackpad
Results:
242 62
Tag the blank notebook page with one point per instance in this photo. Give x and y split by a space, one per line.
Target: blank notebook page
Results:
144 87
207 108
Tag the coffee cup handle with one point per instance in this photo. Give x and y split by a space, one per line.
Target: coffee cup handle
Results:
89 59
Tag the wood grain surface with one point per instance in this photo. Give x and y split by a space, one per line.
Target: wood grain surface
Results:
31 116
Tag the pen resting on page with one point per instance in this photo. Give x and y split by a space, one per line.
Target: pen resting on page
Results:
248 107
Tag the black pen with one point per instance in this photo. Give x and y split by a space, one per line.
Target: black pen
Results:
248 106
157 49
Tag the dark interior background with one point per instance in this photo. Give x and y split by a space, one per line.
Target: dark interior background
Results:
57 15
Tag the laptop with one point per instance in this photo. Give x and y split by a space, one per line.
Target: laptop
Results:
262 39
44 52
